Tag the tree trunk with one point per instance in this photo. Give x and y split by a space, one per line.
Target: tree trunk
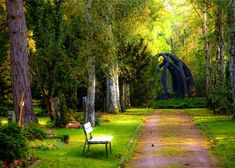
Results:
220 46
117 91
123 97
19 60
112 97
232 50
90 110
127 96
219 51
206 50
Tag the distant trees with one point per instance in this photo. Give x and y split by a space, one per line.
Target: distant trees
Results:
102 50
22 99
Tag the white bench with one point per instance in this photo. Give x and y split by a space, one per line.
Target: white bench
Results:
95 140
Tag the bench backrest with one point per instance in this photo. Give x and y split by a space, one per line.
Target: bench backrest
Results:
87 129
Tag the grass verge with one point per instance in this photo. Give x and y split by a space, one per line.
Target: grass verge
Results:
124 127
221 131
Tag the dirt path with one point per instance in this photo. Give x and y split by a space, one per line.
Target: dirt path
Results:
171 140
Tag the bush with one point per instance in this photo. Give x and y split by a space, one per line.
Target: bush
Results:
3 110
65 139
13 143
33 132
198 102
69 116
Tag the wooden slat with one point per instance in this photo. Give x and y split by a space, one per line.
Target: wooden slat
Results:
87 125
101 140
88 128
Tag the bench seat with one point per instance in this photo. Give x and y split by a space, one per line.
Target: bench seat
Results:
100 140
87 128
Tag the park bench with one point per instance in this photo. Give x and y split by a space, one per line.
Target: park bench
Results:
95 140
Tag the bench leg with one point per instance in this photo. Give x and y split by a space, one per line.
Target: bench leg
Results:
84 148
88 147
106 145
110 148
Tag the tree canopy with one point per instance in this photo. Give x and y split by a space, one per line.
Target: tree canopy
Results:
104 50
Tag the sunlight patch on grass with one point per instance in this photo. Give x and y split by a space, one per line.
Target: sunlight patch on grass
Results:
124 128
139 111
221 131
3 120
43 120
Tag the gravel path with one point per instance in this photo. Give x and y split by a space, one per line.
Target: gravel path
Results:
171 140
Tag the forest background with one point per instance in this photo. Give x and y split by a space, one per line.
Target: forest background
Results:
104 50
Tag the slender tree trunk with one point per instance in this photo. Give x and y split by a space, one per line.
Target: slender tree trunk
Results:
219 48
19 60
112 81
90 110
232 50
113 100
206 50
117 90
123 97
128 96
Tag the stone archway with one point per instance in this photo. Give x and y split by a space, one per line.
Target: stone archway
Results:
182 80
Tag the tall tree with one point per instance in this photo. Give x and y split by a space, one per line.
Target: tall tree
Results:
219 33
112 79
206 48
19 61
232 50
90 110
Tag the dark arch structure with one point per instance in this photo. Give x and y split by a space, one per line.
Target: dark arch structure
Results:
182 80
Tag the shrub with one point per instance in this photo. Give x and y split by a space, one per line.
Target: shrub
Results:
3 110
65 139
198 102
13 143
33 132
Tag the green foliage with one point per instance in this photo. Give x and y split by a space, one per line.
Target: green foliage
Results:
33 132
57 59
180 103
65 139
64 117
5 81
13 143
3 110
45 145
138 70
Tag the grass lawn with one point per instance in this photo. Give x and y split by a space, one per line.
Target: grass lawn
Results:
124 127
221 131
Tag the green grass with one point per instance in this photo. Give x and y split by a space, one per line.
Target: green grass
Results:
198 102
42 120
221 131
123 127
3 120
